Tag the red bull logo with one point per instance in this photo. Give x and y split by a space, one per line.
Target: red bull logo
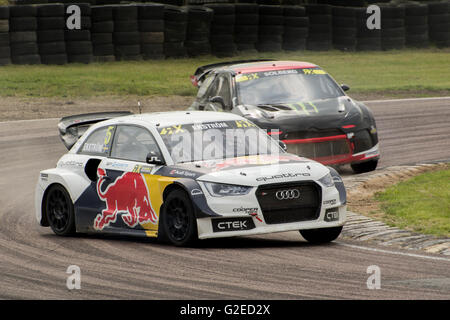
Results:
128 196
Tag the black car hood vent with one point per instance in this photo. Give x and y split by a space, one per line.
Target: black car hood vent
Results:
274 107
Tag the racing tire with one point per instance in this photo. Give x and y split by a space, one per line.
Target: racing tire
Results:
103 27
101 13
5 61
126 12
178 222
367 166
23 24
152 11
5 52
323 235
59 211
4 12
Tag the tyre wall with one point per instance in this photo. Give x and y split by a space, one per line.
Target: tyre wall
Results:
112 31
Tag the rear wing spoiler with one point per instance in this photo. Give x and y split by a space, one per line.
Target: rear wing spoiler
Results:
202 71
71 128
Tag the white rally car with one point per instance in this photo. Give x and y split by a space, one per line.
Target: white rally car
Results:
183 176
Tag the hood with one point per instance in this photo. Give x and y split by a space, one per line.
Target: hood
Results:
252 170
317 114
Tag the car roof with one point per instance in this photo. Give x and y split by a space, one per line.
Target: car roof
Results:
165 119
267 66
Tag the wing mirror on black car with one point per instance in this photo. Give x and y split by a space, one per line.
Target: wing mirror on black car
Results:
282 145
153 158
218 99
345 87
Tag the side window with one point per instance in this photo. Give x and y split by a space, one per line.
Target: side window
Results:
224 91
98 142
221 87
204 87
133 143
214 88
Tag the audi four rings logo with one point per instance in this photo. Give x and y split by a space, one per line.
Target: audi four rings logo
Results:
287 194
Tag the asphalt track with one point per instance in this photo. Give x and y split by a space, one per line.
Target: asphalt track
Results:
33 261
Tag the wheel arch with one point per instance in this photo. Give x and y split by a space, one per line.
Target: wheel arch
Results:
195 193
73 183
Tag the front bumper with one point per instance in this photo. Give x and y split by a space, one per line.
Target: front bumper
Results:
206 230
331 150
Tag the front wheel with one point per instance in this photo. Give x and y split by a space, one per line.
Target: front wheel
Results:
59 211
322 235
178 221
364 166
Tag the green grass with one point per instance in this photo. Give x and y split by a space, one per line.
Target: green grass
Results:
415 72
421 203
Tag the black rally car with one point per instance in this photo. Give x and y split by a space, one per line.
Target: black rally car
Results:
296 101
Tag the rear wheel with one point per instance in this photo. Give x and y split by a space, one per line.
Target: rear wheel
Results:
322 235
364 166
59 211
178 220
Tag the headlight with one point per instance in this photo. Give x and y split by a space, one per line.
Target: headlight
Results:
220 189
327 180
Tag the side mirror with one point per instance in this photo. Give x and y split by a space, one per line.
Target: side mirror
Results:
152 158
282 145
218 99
345 87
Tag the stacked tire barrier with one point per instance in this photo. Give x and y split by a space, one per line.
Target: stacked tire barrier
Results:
416 25
151 28
366 39
32 34
198 30
295 28
344 28
246 27
78 41
23 35
102 33
50 35
271 28
320 27
126 37
439 23
222 30
392 27
5 49
175 26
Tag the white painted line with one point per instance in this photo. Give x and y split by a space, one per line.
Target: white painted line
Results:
407 99
394 252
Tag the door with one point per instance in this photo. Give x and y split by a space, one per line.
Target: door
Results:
124 184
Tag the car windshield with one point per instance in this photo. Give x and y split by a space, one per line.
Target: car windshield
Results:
286 86
217 140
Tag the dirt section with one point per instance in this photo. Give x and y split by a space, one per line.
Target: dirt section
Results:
361 198
13 108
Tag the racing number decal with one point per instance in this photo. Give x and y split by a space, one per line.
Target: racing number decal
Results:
107 141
